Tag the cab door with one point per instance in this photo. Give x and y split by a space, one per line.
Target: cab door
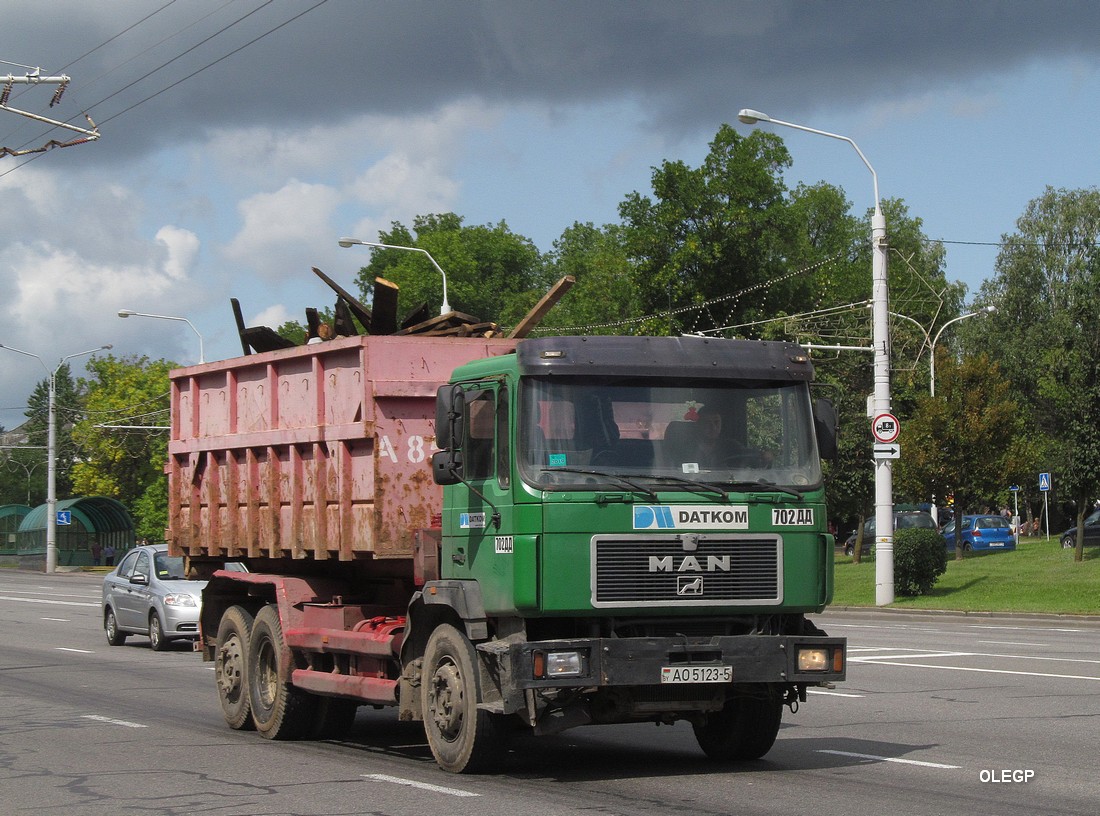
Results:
479 524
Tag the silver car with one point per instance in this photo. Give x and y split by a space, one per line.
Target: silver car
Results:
147 594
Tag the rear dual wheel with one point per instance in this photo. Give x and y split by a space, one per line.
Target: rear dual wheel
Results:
279 710
231 667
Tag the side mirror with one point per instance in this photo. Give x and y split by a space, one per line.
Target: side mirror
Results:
825 425
139 578
450 405
446 465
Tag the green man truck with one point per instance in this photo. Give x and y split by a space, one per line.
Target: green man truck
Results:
494 534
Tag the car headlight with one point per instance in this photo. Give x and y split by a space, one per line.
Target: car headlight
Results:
180 599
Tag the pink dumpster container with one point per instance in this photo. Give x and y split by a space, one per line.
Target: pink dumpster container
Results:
320 451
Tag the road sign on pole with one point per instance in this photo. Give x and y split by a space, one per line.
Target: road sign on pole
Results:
888 451
1044 482
64 517
885 428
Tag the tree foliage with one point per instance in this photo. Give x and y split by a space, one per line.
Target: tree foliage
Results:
492 273
1046 332
126 463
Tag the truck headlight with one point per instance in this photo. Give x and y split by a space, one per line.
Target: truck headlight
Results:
813 660
560 664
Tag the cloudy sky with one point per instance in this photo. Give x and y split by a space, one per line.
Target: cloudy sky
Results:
241 138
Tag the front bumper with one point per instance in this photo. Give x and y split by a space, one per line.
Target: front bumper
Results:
608 662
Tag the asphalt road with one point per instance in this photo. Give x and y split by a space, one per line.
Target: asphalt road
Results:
940 715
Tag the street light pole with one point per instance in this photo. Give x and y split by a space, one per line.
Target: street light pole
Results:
132 313
884 477
51 451
932 355
347 242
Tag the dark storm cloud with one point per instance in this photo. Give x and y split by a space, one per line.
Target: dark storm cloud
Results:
687 62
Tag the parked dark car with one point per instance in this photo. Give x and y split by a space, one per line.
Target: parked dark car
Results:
147 594
982 533
903 519
1092 532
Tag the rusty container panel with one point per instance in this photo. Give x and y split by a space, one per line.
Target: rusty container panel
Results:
321 451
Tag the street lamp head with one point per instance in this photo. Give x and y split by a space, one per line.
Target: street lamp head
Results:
347 242
749 116
990 309
126 312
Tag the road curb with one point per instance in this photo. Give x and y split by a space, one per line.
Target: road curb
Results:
1028 617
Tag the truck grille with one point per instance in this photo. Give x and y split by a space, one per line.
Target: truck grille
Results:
722 570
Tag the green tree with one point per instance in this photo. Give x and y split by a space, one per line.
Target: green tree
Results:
126 463
68 407
960 442
604 299
492 273
708 231
1046 333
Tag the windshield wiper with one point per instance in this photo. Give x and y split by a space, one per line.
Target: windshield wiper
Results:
594 472
770 487
704 487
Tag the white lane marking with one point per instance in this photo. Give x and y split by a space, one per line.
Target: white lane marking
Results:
907 654
890 759
876 658
1011 643
832 693
51 591
397 780
1021 628
57 620
79 651
45 601
112 721
982 671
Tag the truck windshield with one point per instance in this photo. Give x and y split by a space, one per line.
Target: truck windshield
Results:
577 433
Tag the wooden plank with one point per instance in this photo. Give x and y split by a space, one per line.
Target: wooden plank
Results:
239 318
535 316
418 315
313 322
448 320
361 312
342 324
262 339
385 307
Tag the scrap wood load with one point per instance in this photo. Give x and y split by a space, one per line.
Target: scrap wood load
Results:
351 317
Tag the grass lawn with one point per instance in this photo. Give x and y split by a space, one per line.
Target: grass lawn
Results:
1039 576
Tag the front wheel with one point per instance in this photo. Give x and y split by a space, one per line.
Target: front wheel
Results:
1069 543
279 710
744 729
463 738
157 640
115 636
231 666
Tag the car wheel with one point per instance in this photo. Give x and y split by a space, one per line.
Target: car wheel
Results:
115 636
1069 543
848 550
156 633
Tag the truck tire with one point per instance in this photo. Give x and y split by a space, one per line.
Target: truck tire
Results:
231 666
279 710
115 636
463 738
157 641
744 729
